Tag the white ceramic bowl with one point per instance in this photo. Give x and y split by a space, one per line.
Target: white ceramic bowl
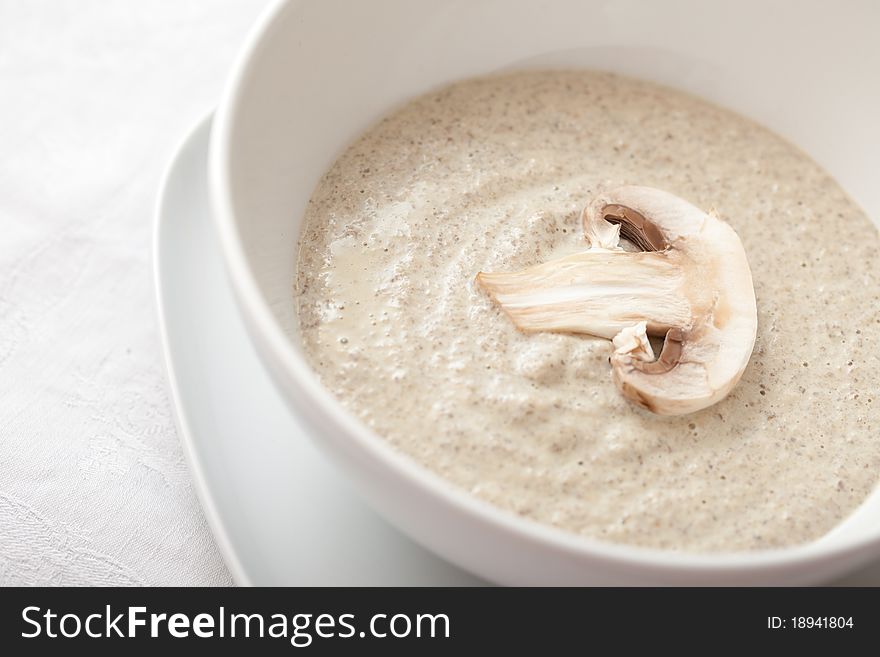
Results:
314 74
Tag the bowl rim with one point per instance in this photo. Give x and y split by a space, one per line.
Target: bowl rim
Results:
262 326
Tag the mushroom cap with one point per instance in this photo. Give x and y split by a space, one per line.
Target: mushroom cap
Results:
702 360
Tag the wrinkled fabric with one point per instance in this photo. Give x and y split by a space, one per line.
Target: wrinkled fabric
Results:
94 97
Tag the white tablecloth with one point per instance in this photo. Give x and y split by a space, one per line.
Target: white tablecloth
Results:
94 96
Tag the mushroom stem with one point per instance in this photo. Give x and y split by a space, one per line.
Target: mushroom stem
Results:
598 292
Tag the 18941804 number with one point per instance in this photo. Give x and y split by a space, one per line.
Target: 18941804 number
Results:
809 622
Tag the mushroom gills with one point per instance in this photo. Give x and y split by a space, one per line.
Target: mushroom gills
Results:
690 284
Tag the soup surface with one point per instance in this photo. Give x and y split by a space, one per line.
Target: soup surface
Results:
491 174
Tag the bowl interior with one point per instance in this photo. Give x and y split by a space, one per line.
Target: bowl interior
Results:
325 70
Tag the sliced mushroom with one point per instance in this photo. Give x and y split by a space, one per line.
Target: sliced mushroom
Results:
690 284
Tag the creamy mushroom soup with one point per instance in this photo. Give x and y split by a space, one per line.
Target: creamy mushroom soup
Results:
492 175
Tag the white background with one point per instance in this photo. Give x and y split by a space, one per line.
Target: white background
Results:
94 97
